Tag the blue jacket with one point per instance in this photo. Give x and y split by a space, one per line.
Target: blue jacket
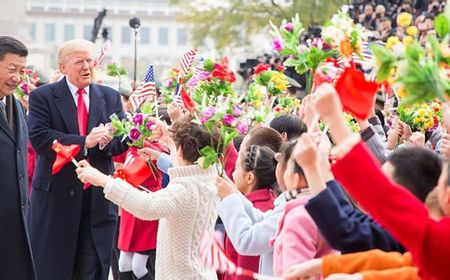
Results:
345 227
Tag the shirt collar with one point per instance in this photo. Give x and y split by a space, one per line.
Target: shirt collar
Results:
73 88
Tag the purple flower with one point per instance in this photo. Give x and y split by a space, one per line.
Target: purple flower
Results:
209 112
320 44
237 111
204 120
289 27
242 127
169 83
229 120
193 82
149 125
138 119
24 87
277 44
134 134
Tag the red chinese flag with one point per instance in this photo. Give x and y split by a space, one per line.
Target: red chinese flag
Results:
135 170
64 154
187 101
356 93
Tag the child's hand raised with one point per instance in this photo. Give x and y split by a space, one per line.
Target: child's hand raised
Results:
305 151
327 102
224 187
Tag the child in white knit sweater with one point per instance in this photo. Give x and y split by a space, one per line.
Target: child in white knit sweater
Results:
186 208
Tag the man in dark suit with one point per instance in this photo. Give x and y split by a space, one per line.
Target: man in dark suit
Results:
71 225
15 253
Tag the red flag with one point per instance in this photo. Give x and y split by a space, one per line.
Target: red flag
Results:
187 101
64 154
135 170
356 93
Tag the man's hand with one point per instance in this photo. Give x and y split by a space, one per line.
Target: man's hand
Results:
97 134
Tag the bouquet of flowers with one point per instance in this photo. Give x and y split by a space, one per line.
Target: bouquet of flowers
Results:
286 105
30 82
304 58
169 89
342 35
419 73
138 129
229 119
211 81
423 117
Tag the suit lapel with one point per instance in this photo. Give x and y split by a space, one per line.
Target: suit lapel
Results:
96 106
5 127
66 106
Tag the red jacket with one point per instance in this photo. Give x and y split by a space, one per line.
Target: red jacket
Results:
398 211
263 200
136 235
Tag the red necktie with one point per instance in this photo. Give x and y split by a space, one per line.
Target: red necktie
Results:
82 113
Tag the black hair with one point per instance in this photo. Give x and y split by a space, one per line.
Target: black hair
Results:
417 169
237 141
11 45
291 124
261 161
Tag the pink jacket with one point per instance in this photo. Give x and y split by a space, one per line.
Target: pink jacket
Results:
298 238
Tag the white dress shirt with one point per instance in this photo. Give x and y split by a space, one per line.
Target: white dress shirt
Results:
73 89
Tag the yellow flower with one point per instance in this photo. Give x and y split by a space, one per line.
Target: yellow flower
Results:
422 119
408 40
430 123
404 19
416 120
279 81
402 93
412 31
258 94
421 112
297 103
392 41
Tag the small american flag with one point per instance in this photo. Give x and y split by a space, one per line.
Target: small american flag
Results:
144 90
103 49
186 61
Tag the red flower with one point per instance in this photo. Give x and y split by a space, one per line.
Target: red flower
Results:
261 68
187 101
222 71
281 68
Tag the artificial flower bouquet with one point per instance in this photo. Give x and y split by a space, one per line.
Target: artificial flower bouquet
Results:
30 82
419 73
169 89
423 117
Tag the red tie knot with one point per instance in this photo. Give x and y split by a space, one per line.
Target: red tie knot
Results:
81 91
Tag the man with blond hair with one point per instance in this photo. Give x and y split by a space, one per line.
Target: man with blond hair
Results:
71 224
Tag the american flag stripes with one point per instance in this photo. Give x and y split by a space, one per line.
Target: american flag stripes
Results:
106 45
213 255
144 90
186 61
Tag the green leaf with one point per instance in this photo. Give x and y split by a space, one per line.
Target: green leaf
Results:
442 25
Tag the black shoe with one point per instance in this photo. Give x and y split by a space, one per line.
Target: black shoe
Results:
126 275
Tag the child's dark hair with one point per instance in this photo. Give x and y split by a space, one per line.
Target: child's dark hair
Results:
192 137
417 169
265 136
286 153
261 161
291 124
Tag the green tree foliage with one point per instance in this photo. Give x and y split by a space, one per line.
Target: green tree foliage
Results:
233 22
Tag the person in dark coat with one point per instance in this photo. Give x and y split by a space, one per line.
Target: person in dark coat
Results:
72 225
16 260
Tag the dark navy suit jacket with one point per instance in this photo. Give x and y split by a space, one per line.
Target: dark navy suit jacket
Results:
56 200
345 227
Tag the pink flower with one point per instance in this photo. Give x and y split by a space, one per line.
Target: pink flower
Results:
320 44
149 125
237 111
209 112
289 27
134 134
138 119
242 127
229 120
277 44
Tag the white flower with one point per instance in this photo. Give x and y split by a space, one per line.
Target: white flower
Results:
334 35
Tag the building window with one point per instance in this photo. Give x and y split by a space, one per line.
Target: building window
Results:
49 32
145 35
69 32
32 31
163 36
126 35
87 32
182 37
